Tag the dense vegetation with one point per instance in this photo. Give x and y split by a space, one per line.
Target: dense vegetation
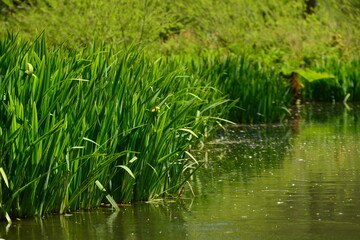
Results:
116 118
273 31
112 102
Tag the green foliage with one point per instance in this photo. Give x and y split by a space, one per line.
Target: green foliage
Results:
275 34
271 31
259 93
307 74
343 86
78 126
107 122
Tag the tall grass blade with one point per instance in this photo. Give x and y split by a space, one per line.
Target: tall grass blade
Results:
108 196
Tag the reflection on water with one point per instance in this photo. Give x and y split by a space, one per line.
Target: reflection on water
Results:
291 181
158 220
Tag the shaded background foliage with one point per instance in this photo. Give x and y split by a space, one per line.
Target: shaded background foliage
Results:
294 32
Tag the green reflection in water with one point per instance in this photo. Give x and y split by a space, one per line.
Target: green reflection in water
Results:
300 181
295 181
158 220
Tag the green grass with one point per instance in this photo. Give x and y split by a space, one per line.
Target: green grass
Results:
106 123
271 34
71 119
260 93
271 31
345 85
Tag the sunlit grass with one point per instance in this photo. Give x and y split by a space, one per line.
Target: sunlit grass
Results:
259 92
271 31
105 116
114 124
345 86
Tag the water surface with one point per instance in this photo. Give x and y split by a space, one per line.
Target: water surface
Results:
297 180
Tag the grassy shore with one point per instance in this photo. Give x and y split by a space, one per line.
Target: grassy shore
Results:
108 109
77 126
271 31
81 126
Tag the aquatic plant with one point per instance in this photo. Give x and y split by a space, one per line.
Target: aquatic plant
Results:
113 124
259 92
79 126
344 86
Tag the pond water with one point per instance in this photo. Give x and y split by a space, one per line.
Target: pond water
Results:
286 181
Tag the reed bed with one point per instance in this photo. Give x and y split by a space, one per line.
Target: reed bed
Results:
79 127
260 93
344 87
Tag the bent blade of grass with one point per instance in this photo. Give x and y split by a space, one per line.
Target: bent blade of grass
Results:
92 141
4 177
7 216
133 159
218 103
195 96
222 119
153 169
189 131
108 196
128 170
192 157
80 80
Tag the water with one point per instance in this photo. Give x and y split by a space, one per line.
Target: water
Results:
286 181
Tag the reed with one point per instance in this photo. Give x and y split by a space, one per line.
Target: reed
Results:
345 86
259 92
77 127
112 124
